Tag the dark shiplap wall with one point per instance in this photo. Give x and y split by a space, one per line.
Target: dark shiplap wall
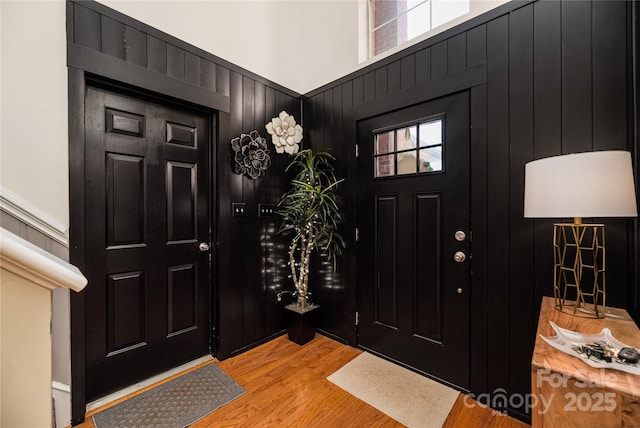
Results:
545 78
250 260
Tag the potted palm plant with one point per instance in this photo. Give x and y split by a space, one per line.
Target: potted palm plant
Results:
310 218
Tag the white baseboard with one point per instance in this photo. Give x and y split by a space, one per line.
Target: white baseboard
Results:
33 217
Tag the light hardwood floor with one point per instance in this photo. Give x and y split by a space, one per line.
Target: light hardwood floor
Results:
287 386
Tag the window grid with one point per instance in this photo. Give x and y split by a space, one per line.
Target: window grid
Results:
415 156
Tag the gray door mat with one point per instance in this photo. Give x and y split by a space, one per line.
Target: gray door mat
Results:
174 404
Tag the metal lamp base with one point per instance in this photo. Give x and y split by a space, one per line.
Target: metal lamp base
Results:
579 265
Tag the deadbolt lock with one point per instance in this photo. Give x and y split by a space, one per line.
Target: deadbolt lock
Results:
460 236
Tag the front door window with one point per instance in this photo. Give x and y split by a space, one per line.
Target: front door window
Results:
409 149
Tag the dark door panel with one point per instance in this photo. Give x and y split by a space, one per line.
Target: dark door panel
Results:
413 195
147 209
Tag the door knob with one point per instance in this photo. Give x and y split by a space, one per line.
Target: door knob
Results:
459 257
203 247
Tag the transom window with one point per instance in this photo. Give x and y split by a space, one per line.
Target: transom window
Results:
393 22
410 149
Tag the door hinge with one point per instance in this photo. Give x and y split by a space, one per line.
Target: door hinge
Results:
357 318
357 151
357 234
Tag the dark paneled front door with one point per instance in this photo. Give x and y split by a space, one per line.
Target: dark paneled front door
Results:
147 211
413 249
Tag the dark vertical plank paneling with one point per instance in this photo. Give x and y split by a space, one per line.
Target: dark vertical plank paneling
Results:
175 62
457 53
272 280
222 80
610 128
157 54
369 90
423 65
70 27
479 189
476 45
192 68
498 346
208 75
135 46
234 307
381 76
336 129
328 125
547 110
576 77
317 117
439 61
408 71
394 79
112 37
347 95
521 255
259 107
609 90
547 75
87 27
358 91
249 234
260 186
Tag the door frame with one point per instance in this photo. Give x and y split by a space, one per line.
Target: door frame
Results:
456 105
473 79
78 82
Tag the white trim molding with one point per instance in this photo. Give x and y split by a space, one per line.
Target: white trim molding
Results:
31 216
37 265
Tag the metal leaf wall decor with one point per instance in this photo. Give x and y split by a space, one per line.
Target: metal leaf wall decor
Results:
252 156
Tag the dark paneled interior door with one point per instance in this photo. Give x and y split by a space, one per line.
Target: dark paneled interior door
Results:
147 210
413 196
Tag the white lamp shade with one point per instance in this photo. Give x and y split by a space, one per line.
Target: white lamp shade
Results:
592 184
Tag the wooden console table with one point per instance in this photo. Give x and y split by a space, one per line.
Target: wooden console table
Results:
567 392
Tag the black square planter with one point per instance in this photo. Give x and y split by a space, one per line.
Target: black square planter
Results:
301 326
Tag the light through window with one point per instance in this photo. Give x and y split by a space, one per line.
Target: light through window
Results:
412 149
393 22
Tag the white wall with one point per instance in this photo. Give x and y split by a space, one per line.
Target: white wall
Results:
33 109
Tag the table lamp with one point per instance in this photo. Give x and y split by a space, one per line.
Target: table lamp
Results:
593 184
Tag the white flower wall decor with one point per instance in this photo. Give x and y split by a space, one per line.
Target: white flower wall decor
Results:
285 133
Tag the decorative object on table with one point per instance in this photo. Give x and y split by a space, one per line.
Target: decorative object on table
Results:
286 135
592 184
311 217
251 155
600 350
